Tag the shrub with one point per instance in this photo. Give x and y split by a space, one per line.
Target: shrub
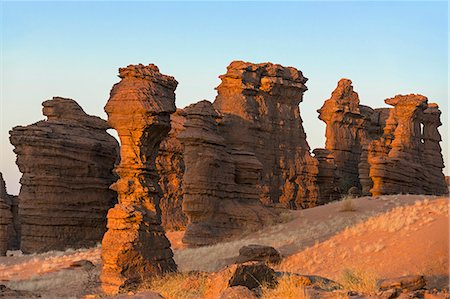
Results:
190 285
359 281
289 287
347 204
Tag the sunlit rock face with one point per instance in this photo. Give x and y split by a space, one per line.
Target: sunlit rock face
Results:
407 158
221 191
66 163
135 246
260 107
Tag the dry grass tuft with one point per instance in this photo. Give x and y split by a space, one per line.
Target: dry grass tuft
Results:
190 285
359 281
289 287
347 204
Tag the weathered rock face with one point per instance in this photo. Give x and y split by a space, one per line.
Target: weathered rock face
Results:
135 245
260 104
327 177
67 163
345 133
6 220
220 184
405 159
10 239
170 166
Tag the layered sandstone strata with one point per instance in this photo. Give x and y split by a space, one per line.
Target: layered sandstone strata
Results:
407 158
221 192
135 245
11 237
260 104
170 165
67 163
327 176
345 133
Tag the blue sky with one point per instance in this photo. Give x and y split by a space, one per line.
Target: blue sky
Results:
73 49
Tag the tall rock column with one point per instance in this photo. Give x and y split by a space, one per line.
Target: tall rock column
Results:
345 133
260 103
432 151
135 245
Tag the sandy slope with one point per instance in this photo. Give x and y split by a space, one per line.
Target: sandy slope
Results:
389 236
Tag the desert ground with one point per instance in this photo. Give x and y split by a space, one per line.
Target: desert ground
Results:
371 237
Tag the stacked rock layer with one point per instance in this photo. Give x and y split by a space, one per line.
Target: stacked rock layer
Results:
135 245
221 191
67 163
9 220
260 104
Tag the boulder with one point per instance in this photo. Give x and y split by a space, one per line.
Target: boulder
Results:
259 253
11 220
409 283
253 275
66 163
135 245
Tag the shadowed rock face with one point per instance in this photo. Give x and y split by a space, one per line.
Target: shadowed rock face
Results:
135 245
407 158
260 104
170 166
221 192
9 220
67 163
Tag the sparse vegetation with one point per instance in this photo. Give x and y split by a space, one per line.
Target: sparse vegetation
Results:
347 204
359 280
188 285
289 287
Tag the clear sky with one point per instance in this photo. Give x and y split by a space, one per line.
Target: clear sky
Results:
73 49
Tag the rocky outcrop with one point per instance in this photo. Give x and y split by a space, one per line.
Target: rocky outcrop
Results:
67 163
407 158
260 105
170 166
135 246
10 238
345 134
220 184
380 151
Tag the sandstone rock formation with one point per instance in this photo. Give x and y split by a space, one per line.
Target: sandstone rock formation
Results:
67 163
345 133
170 166
10 211
220 184
6 220
380 151
327 177
135 245
260 104
407 158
